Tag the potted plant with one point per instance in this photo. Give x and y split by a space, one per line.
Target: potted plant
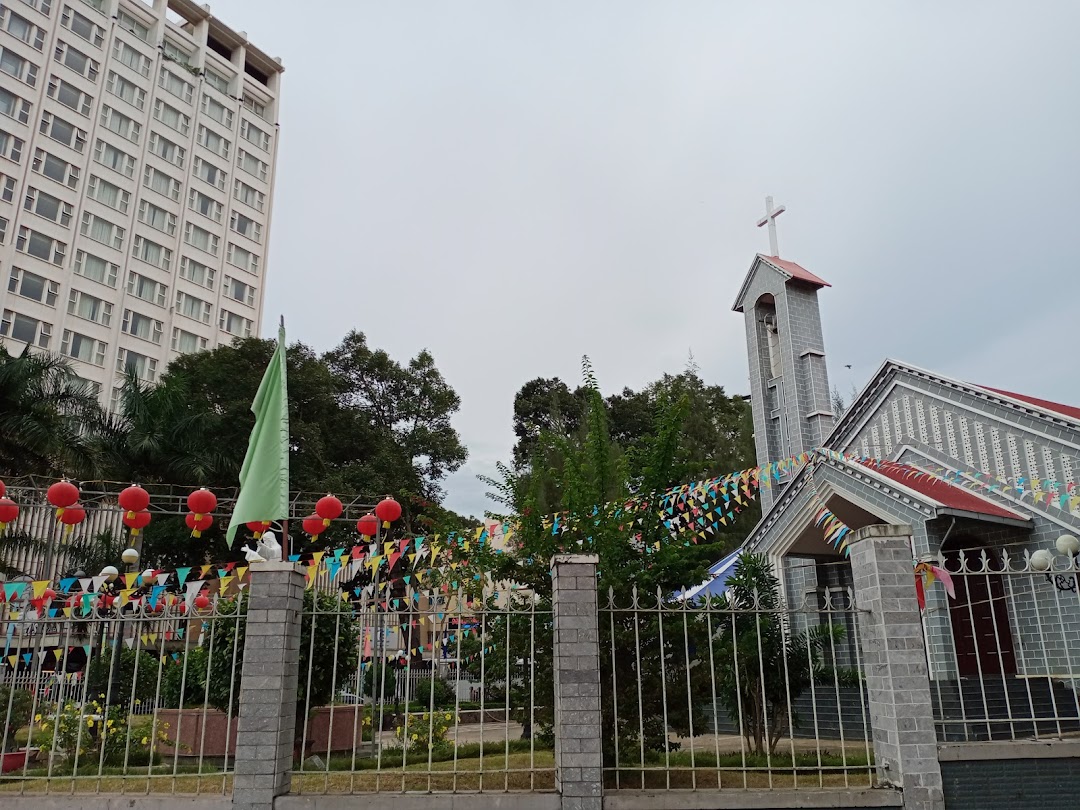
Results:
16 709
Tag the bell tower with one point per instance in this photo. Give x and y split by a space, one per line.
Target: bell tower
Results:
789 383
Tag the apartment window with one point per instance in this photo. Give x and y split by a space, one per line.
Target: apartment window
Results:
131 57
135 26
108 155
246 226
218 111
26 329
63 131
7 188
115 121
89 308
21 28
146 289
82 26
164 148
142 326
157 180
32 286
239 291
13 106
253 104
172 117
108 193
126 89
157 218
216 80
234 324
248 195
205 205
205 170
43 247
201 238
55 168
173 84
252 134
251 164
69 95
97 5
14 65
243 259
191 307
48 207
186 342
11 147
77 61
175 52
197 273
129 362
101 230
152 253
3 230
44 6
83 347
96 268
212 141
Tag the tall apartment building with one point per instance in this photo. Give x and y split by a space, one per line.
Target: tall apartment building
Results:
137 149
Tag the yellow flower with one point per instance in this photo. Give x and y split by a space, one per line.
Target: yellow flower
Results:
37 718
90 722
448 717
110 723
145 740
415 737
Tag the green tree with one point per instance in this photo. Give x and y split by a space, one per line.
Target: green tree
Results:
761 666
44 408
409 405
134 666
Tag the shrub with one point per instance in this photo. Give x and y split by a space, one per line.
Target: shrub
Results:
443 694
92 733
21 705
425 731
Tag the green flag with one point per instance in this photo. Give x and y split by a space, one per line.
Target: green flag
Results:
264 478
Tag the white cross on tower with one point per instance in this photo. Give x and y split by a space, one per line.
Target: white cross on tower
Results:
770 219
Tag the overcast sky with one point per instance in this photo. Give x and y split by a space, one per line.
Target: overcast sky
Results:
515 184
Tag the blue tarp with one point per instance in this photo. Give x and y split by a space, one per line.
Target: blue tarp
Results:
716 584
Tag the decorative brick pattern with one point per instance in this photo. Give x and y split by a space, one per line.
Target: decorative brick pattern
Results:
897 682
576 663
266 725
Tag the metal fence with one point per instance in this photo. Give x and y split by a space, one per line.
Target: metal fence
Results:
118 692
1005 652
445 691
733 693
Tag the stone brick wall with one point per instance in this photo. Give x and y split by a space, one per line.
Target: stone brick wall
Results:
1016 784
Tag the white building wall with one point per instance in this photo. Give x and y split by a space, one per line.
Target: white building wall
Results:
137 207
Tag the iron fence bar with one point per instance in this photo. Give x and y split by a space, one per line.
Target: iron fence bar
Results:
787 695
860 668
641 705
689 692
614 687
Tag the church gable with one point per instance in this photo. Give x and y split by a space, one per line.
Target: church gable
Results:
912 415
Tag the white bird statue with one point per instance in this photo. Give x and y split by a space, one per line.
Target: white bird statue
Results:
269 547
252 556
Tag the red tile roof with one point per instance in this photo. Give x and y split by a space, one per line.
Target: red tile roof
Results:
1045 404
948 495
795 270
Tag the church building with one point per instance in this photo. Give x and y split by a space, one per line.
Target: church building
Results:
921 424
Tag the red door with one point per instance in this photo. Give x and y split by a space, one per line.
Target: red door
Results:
980 616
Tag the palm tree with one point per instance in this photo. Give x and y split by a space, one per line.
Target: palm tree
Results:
156 435
45 413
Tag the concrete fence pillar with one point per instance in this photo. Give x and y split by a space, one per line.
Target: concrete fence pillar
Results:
576 664
268 681
894 661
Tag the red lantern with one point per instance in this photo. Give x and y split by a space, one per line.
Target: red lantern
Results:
3 489
198 523
72 515
134 499
62 494
202 601
202 502
388 510
137 521
257 527
368 525
9 510
328 508
48 594
313 525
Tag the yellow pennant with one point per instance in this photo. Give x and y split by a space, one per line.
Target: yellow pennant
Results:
224 583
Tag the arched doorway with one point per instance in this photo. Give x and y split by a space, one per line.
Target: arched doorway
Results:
979 614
